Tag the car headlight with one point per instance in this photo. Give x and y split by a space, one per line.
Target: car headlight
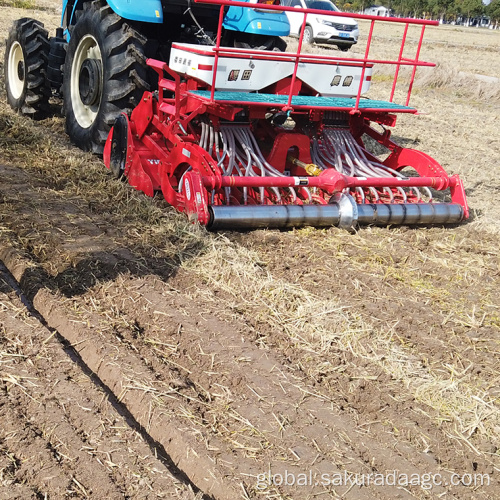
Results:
324 21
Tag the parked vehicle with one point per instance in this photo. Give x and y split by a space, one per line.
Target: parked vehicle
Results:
340 31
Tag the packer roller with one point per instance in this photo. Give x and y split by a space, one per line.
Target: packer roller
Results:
343 215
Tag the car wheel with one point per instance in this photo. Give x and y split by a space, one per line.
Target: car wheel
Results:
308 35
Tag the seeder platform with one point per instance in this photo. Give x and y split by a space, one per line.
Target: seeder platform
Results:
304 102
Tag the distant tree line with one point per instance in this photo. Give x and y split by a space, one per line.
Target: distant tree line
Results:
446 10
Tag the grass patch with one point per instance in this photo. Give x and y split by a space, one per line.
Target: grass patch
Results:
18 4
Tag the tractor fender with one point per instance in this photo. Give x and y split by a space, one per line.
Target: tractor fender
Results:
258 22
148 11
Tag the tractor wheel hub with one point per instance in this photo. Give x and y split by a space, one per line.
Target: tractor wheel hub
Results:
90 81
20 70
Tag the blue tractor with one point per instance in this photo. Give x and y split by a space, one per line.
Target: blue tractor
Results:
97 59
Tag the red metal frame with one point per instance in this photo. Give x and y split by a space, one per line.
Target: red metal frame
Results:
164 135
400 61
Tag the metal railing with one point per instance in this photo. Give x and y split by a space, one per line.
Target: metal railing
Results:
298 56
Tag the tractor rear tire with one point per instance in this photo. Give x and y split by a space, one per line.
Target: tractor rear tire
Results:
252 41
25 64
105 74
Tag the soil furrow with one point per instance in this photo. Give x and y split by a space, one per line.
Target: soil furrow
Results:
195 338
117 323
60 429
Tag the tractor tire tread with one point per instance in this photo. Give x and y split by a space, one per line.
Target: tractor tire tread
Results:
33 38
125 73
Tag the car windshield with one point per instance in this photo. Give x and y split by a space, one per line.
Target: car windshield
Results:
321 5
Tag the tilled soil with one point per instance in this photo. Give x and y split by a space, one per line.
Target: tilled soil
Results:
62 433
142 357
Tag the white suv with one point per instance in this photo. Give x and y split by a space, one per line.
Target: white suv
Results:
340 31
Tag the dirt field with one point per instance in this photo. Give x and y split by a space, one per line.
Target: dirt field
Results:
143 357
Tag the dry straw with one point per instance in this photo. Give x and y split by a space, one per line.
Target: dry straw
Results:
321 325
